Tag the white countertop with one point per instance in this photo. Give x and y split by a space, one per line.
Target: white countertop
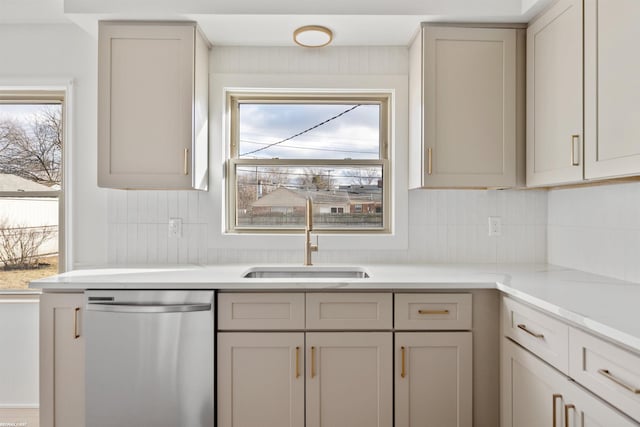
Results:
602 305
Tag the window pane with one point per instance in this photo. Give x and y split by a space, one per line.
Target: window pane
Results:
343 197
31 142
309 131
30 161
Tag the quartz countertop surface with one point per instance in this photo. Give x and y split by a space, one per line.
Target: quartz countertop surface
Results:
605 306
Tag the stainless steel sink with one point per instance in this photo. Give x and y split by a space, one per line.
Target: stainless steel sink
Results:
311 272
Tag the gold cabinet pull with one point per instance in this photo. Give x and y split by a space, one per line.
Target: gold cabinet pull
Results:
566 413
433 311
429 161
186 161
297 362
403 371
533 334
76 325
553 402
607 374
575 162
313 362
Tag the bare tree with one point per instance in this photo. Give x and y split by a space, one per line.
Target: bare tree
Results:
20 246
247 191
256 182
316 179
365 176
33 149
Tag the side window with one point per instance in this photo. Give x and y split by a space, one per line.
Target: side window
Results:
31 144
286 148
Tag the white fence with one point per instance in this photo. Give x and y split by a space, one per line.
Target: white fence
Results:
20 212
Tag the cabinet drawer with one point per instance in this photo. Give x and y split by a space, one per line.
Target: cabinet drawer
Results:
257 311
349 311
539 333
607 370
433 311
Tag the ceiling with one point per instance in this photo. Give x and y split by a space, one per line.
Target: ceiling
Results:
272 22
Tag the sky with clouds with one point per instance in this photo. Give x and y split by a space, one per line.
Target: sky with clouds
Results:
353 135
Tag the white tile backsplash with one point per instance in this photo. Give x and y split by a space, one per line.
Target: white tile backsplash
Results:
596 229
446 226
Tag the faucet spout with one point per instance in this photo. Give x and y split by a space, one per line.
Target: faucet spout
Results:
309 248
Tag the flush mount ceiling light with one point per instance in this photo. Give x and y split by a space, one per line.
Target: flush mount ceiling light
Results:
312 36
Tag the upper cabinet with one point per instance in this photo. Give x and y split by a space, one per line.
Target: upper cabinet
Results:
467 107
563 84
152 106
612 88
554 95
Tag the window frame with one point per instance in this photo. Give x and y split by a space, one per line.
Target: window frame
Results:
46 97
237 97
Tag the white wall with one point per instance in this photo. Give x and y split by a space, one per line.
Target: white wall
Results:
444 225
597 229
113 226
18 352
37 55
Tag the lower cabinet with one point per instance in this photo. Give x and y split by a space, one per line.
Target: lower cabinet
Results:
433 379
349 381
337 370
536 395
262 377
61 360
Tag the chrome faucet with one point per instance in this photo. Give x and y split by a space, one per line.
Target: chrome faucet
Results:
309 248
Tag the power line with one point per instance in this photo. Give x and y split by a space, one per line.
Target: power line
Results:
304 131
307 148
253 171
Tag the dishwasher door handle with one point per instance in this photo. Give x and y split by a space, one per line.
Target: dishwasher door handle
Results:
148 308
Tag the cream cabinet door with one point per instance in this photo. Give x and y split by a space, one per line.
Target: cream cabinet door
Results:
469 107
149 117
349 379
61 360
584 410
433 379
260 379
554 96
532 391
612 88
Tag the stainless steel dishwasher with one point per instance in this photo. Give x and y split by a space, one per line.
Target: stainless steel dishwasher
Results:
149 358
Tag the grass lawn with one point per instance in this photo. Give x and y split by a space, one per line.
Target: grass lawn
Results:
19 279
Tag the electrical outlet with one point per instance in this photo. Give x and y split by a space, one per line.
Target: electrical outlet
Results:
175 227
495 226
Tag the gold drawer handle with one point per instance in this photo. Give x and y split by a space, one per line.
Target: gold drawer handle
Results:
403 372
555 416
186 161
297 362
566 413
533 334
313 362
429 161
433 311
609 375
575 160
76 322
